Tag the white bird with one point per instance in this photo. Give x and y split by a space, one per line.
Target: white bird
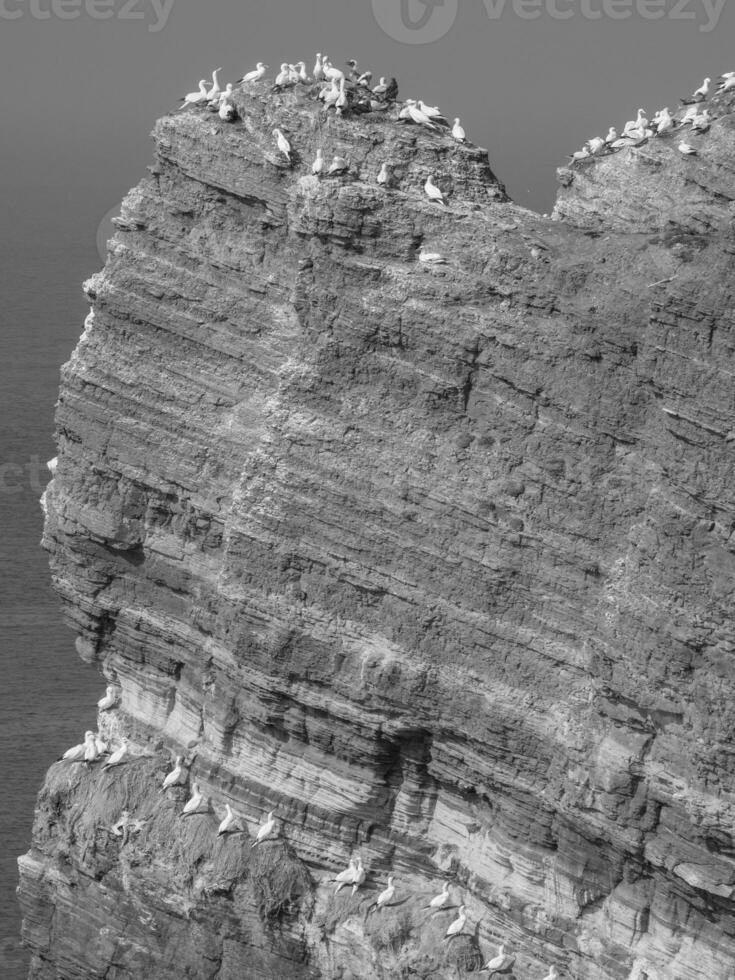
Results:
283 76
701 122
503 961
385 897
76 752
227 112
383 175
226 95
231 824
432 191
283 144
346 877
256 74
100 744
195 800
700 95
91 752
381 88
665 123
440 900
268 829
194 98
215 89
637 124
119 755
620 144
457 925
333 73
458 131
341 99
338 165
687 149
553 974
611 136
583 154
331 93
727 85
418 115
596 145
302 76
359 877
318 164
109 700
52 464
364 80
318 72
432 111
176 776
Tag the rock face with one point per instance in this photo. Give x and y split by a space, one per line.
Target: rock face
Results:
434 559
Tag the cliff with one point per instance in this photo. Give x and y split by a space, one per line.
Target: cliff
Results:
436 560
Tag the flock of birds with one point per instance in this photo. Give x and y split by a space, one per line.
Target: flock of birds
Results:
639 130
94 749
348 92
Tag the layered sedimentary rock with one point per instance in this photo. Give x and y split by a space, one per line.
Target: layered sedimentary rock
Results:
436 560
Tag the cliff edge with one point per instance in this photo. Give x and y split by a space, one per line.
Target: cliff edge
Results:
435 559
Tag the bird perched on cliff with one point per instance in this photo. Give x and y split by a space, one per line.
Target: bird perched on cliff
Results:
381 88
431 258
282 78
417 115
330 72
596 145
318 72
91 749
338 166
383 176
119 756
359 877
215 89
553 974
612 135
579 155
433 112
196 98
227 111
76 752
700 95
177 776
386 896
283 144
345 877
318 164
267 830
701 122
231 824
255 75
638 124
728 83
433 192
500 963
195 801
458 131
687 149
109 700
664 122
441 900
458 924
100 744
52 464
301 72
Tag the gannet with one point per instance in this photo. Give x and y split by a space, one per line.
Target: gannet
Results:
378 106
330 96
318 73
333 73
457 925
637 124
596 145
686 149
458 132
433 258
345 877
418 115
359 876
52 464
701 123
700 95
268 829
620 144
119 755
301 67
611 136
383 177
91 753
553 974
256 74
432 191
691 113
193 98
341 99
440 900
176 776
283 144
231 824
583 154
282 77
227 111
503 961
385 897
215 89
100 744
664 123
195 800
727 85
364 80
432 111
76 752
381 88
318 164
226 95
109 700
338 165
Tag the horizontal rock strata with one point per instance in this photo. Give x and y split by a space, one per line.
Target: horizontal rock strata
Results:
434 559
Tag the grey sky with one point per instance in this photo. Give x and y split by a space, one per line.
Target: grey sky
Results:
79 96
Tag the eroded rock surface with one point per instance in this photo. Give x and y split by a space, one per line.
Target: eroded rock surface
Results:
437 560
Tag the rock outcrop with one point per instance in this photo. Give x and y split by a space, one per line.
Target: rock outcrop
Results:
434 559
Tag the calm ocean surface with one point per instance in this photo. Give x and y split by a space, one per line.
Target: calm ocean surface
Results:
47 695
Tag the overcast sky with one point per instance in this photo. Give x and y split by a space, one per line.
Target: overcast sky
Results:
84 80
